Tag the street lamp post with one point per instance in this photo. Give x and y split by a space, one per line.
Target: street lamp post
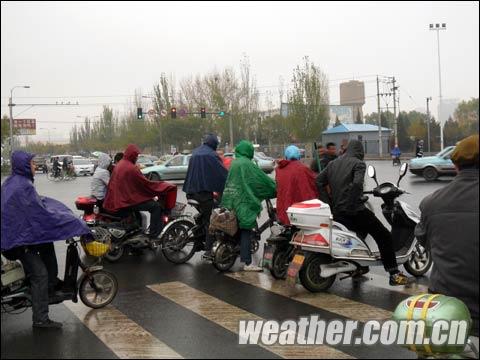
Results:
11 105
428 123
437 28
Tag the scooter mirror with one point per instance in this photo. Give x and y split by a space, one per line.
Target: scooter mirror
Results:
372 173
403 172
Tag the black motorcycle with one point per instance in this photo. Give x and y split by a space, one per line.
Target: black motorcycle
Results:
96 287
278 253
126 229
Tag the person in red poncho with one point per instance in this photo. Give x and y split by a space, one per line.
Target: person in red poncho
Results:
295 183
128 188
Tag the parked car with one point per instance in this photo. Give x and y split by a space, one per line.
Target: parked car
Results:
145 161
173 169
83 166
431 167
163 159
267 164
41 163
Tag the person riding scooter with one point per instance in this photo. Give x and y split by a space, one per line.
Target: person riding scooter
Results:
345 177
129 189
396 155
295 183
30 225
247 186
206 175
56 167
101 178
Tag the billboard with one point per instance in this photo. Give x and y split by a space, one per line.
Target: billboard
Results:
25 126
343 112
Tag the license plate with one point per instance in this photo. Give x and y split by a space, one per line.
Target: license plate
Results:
294 268
268 251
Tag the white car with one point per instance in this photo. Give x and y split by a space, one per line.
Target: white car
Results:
83 167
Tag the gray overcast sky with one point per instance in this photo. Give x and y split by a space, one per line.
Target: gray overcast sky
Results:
67 50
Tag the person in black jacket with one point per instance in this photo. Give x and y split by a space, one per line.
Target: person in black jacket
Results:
345 176
329 155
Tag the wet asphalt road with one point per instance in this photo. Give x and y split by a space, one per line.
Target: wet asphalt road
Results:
187 331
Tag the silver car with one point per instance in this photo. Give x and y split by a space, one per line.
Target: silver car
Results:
267 164
173 169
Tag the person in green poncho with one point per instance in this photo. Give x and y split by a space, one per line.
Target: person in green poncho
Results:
246 187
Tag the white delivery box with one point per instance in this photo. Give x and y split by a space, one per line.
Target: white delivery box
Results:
311 214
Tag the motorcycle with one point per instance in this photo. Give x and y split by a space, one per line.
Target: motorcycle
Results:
128 230
96 287
226 248
326 248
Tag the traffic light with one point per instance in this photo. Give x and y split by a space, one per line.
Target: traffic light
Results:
173 113
221 113
203 113
139 113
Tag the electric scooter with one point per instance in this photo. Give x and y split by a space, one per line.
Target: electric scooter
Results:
325 248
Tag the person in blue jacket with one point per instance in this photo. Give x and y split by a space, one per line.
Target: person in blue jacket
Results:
30 225
396 155
206 175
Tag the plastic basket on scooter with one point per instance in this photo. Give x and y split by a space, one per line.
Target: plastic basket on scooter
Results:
100 245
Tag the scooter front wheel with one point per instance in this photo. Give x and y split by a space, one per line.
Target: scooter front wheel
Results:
420 261
310 273
224 257
179 243
98 288
115 254
280 261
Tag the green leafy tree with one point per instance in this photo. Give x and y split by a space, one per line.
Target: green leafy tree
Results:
309 101
5 128
466 115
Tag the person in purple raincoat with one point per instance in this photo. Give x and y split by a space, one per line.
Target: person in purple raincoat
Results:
30 225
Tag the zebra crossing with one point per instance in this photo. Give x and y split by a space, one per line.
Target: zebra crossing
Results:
206 311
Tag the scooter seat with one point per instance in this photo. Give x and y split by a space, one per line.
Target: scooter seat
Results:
193 202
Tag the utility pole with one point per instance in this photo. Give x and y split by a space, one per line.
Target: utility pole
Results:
380 152
231 130
428 123
395 111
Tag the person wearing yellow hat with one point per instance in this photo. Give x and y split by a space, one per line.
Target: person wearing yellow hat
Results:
449 225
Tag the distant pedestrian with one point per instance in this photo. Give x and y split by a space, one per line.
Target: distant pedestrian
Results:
419 149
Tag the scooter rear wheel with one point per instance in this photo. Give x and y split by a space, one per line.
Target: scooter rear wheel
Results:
98 289
310 273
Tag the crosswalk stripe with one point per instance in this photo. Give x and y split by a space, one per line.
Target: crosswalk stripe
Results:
124 337
229 316
326 301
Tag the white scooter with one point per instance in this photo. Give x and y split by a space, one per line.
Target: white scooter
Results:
326 248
